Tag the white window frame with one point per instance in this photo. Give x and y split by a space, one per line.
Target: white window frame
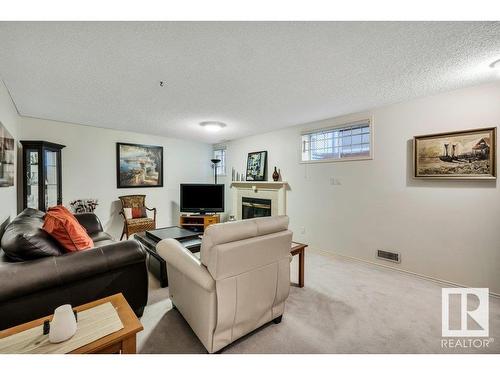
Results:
333 127
221 171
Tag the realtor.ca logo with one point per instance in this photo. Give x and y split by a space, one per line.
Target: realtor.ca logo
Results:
465 318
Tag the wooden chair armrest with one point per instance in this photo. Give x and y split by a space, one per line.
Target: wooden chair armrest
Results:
154 212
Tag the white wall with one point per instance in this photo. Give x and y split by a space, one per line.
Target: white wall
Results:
444 229
9 119
89 167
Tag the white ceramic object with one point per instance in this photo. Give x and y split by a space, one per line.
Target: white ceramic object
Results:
63 324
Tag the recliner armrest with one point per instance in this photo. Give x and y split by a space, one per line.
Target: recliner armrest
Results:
90 222
23 278
183 260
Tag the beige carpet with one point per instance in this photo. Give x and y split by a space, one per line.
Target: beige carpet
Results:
345 307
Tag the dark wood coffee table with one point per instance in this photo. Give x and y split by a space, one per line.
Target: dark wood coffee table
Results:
156 264
192 241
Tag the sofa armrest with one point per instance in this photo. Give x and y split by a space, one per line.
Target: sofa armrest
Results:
185 262
23 278
90 222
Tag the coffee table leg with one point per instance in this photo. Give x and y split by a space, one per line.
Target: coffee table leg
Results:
301 268
129 345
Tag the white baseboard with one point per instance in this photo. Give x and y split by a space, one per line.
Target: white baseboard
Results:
425 277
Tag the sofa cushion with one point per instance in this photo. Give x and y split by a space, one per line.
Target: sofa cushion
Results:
103 243
143 221
24 238
65 228
100 236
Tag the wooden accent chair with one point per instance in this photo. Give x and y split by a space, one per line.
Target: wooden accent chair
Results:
130 225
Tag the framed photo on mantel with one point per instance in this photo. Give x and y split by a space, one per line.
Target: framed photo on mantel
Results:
257 166
465 155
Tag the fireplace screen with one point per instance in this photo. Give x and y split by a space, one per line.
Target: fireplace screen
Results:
254 207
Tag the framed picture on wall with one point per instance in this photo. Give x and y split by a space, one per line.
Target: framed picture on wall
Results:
138 166
466 154
257 166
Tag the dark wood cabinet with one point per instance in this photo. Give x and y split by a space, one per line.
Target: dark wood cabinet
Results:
42 178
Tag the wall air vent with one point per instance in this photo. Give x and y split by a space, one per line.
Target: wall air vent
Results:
388 255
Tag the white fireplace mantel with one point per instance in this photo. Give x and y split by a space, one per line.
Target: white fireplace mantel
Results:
274 191
260 184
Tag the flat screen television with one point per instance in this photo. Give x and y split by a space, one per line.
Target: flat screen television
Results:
202 198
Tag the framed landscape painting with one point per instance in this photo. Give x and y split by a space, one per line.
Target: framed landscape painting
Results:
139 166
257 166
468 154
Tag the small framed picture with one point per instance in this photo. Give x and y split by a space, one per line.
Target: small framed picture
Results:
466 154
257 166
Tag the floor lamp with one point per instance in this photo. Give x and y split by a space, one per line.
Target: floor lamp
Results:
215 162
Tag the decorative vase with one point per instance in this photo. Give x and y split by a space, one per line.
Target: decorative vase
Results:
63 325
276 175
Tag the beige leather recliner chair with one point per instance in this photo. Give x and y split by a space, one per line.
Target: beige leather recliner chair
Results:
241 282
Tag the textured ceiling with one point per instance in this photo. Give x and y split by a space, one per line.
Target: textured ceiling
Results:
255 76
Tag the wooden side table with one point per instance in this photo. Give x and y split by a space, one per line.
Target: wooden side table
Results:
299 248
119 342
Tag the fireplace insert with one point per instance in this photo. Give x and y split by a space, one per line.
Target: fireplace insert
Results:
255 207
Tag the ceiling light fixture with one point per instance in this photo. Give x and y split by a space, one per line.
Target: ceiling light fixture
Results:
213 126
495 64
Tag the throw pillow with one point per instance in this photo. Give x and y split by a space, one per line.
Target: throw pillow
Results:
65 229
138 212
128 212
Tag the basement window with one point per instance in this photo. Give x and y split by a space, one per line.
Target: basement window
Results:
351 141
220 153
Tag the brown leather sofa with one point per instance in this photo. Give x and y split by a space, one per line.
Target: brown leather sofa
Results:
36 276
